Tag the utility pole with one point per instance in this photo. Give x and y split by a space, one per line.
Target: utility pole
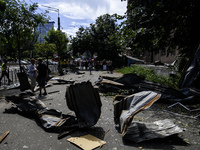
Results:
56 10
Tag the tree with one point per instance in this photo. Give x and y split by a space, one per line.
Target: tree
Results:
45 49
154 25
18 22
100 37
82 42
103 33
59 39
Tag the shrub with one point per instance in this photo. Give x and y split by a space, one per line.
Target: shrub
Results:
149 75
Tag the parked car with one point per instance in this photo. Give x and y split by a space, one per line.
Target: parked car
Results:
50 62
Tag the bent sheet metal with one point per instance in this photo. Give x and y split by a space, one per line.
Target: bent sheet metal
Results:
85 101
129 106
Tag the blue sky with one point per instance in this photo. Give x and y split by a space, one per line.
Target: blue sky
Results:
76 13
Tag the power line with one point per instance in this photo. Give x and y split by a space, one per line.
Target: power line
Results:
54 9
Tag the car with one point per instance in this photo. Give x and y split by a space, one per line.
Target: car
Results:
24 62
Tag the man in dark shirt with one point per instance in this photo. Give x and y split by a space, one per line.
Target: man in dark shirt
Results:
42 76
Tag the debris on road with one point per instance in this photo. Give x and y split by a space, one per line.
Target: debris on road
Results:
62 81
114 84
141 131
23 80
3 136
53 92
50 119
84 100
87 142
126 108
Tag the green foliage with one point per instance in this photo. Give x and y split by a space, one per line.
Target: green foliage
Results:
17 24
100 38
149 75
45 49
2 6
154 25
59 39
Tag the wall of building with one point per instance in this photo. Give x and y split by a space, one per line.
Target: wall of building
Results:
43 29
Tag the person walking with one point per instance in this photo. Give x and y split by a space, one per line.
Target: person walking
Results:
90 67
42 76
32 74
4 72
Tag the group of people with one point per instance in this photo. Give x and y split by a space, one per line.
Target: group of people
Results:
97 65
38 74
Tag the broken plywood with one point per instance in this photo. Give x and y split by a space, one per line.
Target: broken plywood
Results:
87 142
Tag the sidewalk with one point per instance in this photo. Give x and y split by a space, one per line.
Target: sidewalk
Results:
25 133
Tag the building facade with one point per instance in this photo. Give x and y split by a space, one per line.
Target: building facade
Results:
43 29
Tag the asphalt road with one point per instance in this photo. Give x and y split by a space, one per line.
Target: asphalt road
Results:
26 133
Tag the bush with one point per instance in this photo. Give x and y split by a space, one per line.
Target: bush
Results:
149 75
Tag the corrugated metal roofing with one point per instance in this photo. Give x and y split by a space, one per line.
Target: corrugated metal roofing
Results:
85 101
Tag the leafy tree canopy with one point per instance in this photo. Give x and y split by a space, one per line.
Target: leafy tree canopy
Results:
59 39
45 49
99 38
17 24
154 25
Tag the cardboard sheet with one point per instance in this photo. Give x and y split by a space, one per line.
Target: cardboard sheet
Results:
87 142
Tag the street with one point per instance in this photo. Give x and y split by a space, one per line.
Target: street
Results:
26 133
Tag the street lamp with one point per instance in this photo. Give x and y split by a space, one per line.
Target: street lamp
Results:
56 10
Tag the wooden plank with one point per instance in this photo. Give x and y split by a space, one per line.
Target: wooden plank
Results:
4 136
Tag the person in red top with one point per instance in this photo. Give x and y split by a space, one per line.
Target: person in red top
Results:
42 76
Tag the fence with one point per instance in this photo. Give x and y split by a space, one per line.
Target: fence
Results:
13 74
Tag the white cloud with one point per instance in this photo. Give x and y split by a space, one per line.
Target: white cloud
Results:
87 9
71 31
74 24
76 13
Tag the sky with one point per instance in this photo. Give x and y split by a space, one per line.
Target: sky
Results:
76 13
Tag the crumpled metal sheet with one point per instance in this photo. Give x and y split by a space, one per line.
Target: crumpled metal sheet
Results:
191 74
126 107
130 80
106 85
49 118
167 92
113 83
84 100
131 105
140 131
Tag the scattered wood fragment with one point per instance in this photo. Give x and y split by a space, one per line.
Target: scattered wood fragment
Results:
53 92
4 136
105 133
66 133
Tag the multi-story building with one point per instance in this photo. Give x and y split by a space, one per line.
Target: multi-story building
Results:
43 29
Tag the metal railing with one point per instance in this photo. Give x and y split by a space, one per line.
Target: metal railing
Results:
12 72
